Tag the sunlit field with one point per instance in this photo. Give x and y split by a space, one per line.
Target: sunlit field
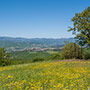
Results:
56 75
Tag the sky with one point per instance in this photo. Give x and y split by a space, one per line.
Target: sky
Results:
39 18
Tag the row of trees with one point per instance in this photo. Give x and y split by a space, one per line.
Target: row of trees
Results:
73 51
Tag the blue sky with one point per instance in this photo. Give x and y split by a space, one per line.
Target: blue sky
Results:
38 18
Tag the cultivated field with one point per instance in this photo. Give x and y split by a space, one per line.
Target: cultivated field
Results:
59 75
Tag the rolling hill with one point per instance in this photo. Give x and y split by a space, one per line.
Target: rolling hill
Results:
9 42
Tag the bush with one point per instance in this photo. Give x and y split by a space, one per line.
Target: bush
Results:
58 56
86 53
4 57
38 59
72 51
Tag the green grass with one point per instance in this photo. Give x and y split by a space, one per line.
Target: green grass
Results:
52 52
26 55
51 75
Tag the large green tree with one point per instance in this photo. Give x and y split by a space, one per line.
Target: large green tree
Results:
81 27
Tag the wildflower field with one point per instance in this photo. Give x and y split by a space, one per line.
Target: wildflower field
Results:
56 75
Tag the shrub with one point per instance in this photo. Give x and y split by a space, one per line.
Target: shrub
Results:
58 56
4 57
72 51
86 53
38 59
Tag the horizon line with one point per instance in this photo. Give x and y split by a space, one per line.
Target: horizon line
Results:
37 37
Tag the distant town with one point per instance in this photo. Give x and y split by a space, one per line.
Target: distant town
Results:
35 49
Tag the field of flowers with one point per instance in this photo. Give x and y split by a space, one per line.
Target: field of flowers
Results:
59 75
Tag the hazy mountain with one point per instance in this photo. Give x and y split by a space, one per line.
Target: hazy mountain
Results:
9 42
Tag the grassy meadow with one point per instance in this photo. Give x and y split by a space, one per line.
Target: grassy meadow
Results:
51 75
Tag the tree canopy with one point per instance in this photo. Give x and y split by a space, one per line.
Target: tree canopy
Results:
81 27
72 51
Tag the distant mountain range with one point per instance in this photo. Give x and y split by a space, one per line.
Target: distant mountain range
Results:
9 42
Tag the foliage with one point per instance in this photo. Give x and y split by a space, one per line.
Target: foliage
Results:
27 55
72 51
19 61
81 29
4 57
38 59
58 56
46 76
86 52
22 57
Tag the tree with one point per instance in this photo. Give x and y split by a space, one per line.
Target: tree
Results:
81 29
72 51
4 57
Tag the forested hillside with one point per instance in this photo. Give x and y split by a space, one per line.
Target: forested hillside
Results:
8 42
